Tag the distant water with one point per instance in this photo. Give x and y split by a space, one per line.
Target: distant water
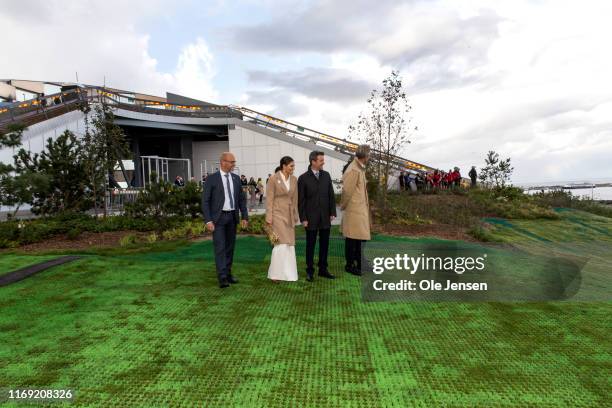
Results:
597 193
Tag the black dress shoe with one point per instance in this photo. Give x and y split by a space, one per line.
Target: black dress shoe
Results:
309 277
327 275
223 283
231 279
355 271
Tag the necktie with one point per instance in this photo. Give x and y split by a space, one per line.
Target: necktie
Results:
317 175
229 191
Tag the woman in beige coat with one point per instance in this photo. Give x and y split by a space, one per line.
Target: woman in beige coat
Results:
355 208
282 216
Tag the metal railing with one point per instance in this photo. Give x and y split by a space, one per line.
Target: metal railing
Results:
40 108
46 107
116 199
326 140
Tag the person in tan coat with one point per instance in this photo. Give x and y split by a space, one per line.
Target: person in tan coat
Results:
355 208
282 216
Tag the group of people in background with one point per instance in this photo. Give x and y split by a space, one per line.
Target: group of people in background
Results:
436 179
253 189
308 200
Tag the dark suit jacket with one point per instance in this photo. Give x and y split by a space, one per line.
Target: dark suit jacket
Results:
316 200
213 198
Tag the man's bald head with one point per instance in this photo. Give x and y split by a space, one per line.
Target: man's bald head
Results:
227 161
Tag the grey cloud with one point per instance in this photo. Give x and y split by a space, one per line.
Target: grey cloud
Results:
409 36
504 130
323 27
321 83
50 13
435 73
516 124
281 100
445 35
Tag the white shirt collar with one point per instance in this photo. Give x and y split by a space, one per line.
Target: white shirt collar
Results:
223 173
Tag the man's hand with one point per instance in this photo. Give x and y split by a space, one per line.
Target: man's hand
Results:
210 226
332 217
244 224
305 224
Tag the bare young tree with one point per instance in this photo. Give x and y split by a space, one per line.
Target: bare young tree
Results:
386 125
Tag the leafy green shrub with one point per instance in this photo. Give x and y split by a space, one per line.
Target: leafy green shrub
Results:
5 243
192 199
151 238
195 227
593 207
256 225
565 199
509 192
73 224
555 198
510 202
35 232
463 208
174 234
443 208
408 219
162 199
73 234
9 231
127 240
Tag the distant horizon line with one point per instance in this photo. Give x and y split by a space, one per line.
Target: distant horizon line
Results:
565 181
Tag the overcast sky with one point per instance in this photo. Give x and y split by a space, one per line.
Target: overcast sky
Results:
529 79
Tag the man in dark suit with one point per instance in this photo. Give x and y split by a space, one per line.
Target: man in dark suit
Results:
222 199
317 208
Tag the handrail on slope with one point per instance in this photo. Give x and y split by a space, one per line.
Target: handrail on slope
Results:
48 106
339 144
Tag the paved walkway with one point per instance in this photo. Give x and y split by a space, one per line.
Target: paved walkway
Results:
258 210
23 273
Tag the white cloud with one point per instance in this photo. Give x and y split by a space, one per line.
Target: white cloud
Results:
54 40
530 79
536 89
195 71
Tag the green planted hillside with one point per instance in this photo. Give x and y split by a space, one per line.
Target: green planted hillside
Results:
130 328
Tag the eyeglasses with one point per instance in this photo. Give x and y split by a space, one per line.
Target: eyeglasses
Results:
229 161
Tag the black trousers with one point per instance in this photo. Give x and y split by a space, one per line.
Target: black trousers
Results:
353 252
224 240
311 240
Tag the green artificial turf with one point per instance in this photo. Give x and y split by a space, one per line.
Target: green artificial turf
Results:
152 329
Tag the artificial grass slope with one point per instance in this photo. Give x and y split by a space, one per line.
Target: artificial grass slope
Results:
153 329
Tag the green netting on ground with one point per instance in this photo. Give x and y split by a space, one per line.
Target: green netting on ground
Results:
153 330
584 237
